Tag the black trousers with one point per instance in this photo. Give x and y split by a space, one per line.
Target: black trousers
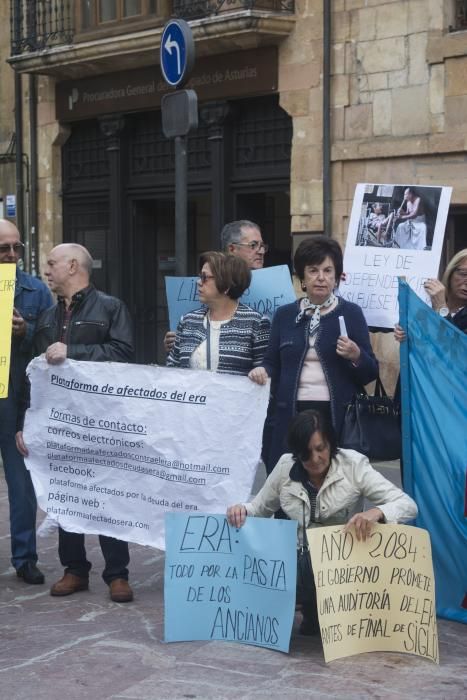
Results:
72 555
306 591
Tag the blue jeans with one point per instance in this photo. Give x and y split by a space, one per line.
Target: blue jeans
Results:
21 496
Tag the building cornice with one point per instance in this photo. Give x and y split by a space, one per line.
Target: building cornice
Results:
213 35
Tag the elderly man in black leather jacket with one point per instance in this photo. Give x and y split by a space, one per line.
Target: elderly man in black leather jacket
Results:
84 324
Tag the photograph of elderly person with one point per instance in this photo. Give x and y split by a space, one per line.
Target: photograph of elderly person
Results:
311 365
223 335
410 220
321 484
377 222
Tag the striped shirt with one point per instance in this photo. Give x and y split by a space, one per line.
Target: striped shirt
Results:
242 341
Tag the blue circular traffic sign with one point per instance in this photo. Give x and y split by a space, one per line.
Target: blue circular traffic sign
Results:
177 53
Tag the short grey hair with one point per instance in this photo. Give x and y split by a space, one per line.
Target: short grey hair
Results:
80 253
232 232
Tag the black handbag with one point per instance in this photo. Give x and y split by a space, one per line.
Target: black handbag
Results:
305 580
372 425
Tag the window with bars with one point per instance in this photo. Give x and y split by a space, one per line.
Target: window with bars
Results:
263 135
85 160
150 153
460 22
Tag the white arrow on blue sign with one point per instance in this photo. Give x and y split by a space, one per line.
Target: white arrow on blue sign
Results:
177 53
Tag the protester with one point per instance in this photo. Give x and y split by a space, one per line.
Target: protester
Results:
224 335
85 324
321 484
242 238
311 363
31 297
449 297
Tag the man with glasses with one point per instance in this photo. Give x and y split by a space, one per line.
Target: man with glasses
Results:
242 238
31 298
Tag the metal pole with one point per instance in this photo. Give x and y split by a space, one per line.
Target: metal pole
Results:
19 148
33 213
327 193
181 200
16 26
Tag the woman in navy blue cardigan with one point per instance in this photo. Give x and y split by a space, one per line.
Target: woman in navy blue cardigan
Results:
312 364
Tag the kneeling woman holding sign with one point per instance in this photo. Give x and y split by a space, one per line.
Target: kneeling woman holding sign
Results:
320 484
224 335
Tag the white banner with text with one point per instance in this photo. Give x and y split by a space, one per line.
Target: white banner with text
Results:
113 447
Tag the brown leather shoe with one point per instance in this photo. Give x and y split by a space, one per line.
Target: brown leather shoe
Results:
68 584
120 591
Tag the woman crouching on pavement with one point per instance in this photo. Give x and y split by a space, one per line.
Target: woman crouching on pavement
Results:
320 484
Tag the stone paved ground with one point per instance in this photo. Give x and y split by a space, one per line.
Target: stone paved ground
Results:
85 647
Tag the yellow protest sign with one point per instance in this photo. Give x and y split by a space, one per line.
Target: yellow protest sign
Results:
7 295
377 595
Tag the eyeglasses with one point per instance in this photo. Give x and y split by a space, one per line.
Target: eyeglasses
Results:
17 248
203 277
461 273
255 245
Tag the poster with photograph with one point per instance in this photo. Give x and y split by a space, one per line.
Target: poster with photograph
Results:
394 231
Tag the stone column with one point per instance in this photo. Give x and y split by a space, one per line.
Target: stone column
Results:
215 115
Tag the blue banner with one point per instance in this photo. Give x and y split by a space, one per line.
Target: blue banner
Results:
224 583
434 429
270 288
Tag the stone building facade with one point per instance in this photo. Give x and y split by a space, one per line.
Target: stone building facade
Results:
393 73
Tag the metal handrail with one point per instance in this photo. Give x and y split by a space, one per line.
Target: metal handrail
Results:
194 9
40 24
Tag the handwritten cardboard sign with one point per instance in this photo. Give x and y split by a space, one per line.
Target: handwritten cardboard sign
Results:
270 288
7 294
228 584
377 595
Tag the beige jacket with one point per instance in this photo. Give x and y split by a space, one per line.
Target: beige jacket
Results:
350 480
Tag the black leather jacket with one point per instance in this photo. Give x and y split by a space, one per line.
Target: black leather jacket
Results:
100 329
